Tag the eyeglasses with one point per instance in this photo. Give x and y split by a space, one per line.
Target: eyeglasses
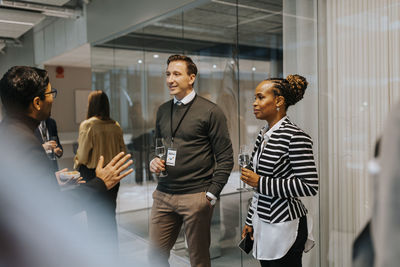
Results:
53 92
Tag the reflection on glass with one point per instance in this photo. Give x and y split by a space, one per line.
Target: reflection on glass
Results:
249 35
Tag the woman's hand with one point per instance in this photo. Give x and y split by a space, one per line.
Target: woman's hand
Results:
249 177
247 229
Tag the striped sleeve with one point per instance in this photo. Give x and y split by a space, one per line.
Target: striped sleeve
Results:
250 212
301 179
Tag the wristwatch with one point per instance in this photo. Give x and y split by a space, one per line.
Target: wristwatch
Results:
212 201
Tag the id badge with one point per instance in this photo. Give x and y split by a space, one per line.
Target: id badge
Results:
171 157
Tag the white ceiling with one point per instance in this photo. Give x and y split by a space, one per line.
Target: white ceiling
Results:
50 2
78 57
18 17
14 23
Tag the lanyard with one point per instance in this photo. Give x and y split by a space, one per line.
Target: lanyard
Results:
173 133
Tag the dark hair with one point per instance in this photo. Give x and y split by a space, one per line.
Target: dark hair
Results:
99 105
190 66
20 85
292 88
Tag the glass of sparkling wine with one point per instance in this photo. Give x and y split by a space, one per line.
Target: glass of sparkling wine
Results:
244 161
161 152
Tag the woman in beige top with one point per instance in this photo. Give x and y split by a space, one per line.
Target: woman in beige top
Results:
99 135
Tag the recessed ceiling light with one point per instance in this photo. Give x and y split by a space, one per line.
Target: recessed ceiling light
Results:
17 22
140 61
253 68
155 56
214 66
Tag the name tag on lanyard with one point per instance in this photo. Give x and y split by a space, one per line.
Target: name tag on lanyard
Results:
171 157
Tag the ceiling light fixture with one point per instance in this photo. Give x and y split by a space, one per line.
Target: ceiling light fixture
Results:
48 10
155 56
261 9
16 22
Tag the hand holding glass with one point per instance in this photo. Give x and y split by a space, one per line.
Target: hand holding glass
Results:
49 144
161 152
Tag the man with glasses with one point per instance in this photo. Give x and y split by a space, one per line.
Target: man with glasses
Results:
33 211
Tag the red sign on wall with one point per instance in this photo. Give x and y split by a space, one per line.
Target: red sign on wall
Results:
59 72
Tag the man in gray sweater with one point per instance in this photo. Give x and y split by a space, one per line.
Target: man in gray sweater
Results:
198 163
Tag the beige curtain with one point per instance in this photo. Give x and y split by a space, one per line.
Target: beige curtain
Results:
359 82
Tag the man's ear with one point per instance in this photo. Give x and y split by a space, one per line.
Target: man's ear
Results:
192 79
36 103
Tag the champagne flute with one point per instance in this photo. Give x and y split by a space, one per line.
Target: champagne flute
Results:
244 161
48 148
161 152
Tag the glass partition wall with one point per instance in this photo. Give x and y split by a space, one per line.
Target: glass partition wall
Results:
235 44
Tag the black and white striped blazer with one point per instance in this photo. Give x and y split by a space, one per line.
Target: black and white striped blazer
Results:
287 171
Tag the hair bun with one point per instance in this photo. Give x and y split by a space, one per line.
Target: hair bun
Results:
298 85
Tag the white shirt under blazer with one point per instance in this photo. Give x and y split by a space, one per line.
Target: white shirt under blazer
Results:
287 171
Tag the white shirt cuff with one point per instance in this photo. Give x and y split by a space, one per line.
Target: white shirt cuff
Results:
210 195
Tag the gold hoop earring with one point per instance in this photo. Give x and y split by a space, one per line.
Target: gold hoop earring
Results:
277 108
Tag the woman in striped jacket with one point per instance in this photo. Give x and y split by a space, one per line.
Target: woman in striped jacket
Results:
282 169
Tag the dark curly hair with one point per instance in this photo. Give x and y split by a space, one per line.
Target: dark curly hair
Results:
20 85
292 88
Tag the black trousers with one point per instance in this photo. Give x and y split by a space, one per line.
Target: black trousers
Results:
100 213
295 253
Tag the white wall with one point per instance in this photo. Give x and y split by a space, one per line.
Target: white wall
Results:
18 55
53 37
64 105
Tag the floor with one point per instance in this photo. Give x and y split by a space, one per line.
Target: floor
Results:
133 213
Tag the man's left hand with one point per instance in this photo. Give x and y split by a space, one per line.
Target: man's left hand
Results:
249 177
112 173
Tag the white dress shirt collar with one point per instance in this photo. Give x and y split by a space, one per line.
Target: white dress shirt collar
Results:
275 127
187 98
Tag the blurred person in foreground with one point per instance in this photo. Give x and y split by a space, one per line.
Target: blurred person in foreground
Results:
282 169
99 135
199 161
35 224
385 222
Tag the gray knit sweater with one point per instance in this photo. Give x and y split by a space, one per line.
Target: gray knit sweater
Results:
204 157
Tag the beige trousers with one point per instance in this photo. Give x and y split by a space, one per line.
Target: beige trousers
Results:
168 213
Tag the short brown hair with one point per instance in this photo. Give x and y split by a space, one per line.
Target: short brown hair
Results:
98 106
190 66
